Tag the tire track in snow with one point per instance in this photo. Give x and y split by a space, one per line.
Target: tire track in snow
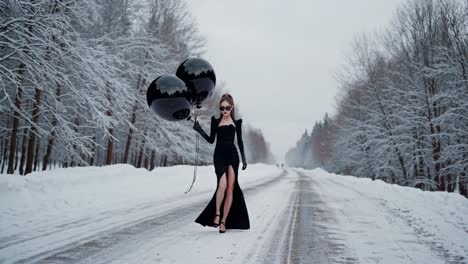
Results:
313 238
304 234
272 241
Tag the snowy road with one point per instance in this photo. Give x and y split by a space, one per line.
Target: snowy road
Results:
297 216
313 234
166 236
350 220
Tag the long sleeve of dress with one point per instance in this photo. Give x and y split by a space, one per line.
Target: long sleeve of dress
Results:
212 136
240 142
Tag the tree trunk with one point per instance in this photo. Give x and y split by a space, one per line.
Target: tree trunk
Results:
16 156
161 160
91 162
110 142
16 115
4 158
133 118
129 135
51 139
110 147
74 163
132 123
33 132
23 152
134 158
142 150
153 154
146 162
98 157
1 148
36 155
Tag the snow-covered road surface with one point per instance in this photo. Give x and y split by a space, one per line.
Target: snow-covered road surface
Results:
297 216
163 237
341 219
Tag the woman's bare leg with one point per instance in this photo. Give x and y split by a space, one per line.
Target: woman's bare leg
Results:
229 192
220 195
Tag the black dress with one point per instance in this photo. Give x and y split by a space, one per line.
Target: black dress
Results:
226 154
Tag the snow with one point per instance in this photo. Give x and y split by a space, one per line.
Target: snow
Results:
80 190
45 201
396 224
122 214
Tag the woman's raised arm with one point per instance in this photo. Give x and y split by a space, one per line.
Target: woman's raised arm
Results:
200 130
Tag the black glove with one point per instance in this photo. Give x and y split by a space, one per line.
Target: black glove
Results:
196 126
244 165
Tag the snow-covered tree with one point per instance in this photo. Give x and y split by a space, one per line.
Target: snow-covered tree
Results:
73 80
403 114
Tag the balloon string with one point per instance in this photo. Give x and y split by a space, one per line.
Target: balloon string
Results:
197 148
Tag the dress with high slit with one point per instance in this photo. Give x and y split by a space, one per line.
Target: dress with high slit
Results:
226 154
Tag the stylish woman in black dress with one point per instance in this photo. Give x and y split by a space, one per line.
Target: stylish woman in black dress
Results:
228 194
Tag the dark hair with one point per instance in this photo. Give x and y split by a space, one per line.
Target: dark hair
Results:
228 98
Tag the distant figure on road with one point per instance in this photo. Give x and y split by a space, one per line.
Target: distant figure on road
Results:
228 193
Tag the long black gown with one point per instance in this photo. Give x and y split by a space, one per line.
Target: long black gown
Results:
226 154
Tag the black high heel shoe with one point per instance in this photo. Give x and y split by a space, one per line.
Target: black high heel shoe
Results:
222 231
217 224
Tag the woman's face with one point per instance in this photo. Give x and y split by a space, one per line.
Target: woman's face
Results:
225 108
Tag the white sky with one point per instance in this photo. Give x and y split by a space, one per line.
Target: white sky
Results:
278 58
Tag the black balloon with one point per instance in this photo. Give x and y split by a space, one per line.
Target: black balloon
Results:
168 97
199 76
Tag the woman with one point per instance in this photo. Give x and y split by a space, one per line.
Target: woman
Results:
228 194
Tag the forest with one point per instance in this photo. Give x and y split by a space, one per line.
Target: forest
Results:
73 81
402 111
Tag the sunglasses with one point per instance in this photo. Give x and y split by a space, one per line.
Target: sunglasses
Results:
227 108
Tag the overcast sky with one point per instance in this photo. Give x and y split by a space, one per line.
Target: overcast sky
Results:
278 58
